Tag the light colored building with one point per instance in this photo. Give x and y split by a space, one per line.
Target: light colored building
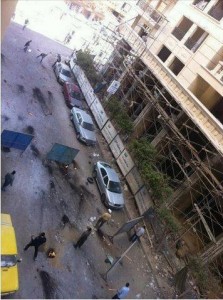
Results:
169 61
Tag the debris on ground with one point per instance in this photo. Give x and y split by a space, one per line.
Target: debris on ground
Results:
20 88
30 129
51 253
65 219
35 150
49 285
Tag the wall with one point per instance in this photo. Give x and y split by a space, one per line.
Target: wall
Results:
7 10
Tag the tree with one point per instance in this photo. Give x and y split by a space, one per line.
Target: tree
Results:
85 61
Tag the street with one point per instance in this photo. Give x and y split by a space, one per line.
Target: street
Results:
41 194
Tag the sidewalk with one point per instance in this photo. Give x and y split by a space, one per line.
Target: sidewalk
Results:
162 275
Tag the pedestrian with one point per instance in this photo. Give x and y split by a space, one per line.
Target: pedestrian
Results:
139 232
9 178
83 238
103 219
42 55
25 23
58 60
36 242
27 44
122 292
67 38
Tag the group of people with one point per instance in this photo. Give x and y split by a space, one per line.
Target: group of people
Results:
42 55
39 240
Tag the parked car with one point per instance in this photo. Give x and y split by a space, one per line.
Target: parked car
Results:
84 126
72 61
109 185
9 260
63 73
72 95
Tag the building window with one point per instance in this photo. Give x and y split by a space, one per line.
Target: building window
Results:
176 66
164 53
217 10
194 42
180 31
126 7
201 4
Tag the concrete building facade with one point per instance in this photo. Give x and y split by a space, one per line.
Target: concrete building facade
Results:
169 60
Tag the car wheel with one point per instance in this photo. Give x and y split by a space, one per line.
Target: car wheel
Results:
103 199
78 136
94 174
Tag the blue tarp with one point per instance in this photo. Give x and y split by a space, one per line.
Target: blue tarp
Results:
62 154
13 139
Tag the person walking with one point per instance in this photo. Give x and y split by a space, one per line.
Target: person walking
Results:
82 239
27 44
25 23
104 218
139 232
36 242
58 60
122 292
42 55
9 178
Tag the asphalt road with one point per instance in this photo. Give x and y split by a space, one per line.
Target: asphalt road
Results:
41 195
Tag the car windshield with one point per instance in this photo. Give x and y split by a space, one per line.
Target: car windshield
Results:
8 261
88 126
114 187
75 95
66 73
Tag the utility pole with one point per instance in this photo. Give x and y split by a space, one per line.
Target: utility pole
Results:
212 238
105 276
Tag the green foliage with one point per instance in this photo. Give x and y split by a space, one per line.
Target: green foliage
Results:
114 106
157 181
171 222
119 114
85 61
145 156
143 152
205 280
124 122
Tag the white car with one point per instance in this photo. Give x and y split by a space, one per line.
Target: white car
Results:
84 126
109 185
63 73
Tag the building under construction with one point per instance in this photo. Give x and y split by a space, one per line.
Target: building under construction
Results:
169 61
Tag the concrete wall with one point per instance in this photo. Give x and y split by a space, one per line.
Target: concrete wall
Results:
7 10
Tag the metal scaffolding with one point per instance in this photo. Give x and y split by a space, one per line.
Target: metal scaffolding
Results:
194 167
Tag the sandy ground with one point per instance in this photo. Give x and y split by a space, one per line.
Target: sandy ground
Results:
41 195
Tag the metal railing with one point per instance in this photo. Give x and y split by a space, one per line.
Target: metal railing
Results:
149 11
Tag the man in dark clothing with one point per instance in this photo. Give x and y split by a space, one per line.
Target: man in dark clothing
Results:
36 242
27 45
9 178
42 55
58 60
25 24
83 238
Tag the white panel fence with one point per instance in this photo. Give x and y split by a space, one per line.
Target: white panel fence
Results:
123 158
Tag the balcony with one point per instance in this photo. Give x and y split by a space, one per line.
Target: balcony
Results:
218 71
133 39
201 4
152 15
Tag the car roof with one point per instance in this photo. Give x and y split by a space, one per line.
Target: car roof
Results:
74 87
111 172
86 117
8 240
65 67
